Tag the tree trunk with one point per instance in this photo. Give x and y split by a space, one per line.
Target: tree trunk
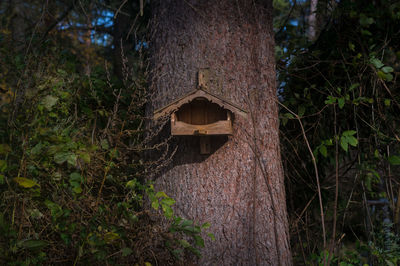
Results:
312 20
239 187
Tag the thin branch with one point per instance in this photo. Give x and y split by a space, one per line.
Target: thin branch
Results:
315 168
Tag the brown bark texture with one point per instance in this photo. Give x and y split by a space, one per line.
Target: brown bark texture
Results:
239 187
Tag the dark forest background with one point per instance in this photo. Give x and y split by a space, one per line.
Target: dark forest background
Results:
73 141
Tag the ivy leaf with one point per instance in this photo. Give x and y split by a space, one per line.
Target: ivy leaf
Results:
25 182
387 102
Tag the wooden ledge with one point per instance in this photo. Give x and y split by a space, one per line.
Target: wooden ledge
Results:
223 127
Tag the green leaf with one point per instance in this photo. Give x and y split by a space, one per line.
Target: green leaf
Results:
131 183
352 141
85 156
25 182
49 101
155 204
352 46
388 77
32 244
205 225
387 69
289 115
76 187
126 252
160 194
341 102
394 160
168 201
376 62
349 133
75 177
381 75
344 144
365 21
63 157
186 223
168 212
323 150
387 102
2 178
37 149
211 235
366 32
110 237
184 243
71 159
353 86
3 166
60 158
330 100
198 240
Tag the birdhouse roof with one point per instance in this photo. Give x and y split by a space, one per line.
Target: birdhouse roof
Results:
199 93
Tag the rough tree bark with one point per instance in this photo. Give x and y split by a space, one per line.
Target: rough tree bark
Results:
239 187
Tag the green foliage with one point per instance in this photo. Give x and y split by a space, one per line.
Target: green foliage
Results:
73 173
343 85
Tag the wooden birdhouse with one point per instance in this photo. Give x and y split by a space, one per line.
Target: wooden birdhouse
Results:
201 113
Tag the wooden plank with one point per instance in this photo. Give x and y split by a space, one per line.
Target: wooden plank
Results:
218 128
205 145
204 78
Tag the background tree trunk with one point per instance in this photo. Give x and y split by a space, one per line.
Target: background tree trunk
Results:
312 20
239 187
